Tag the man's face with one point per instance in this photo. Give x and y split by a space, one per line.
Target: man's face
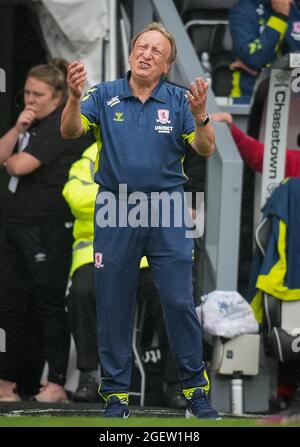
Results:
149 59
40 97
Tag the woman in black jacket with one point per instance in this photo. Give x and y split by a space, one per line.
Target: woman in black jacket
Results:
37 239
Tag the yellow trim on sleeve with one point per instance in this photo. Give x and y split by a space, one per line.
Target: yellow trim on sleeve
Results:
277 24
182 167
190 137
88 94
273 282
97 134
86 123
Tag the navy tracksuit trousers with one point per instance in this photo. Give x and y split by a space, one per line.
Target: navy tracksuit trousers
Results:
118 251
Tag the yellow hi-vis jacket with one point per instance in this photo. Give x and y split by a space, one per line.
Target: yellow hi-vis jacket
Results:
80 193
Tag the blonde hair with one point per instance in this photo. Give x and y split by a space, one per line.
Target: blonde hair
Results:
53 74
156 26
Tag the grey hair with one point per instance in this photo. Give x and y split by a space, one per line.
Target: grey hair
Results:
156 26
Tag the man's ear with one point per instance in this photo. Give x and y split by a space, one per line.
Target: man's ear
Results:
167 68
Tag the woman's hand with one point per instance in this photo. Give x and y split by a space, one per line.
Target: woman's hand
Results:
25 119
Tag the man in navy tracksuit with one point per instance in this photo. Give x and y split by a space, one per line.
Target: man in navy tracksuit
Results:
262 30
141 123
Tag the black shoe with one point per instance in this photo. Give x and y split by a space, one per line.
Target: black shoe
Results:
173 396
87 390
176 401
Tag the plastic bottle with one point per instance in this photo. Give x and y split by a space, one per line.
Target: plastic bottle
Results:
237 401
206 67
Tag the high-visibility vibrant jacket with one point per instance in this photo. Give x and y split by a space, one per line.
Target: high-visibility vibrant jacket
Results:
80 193
277 273
259 36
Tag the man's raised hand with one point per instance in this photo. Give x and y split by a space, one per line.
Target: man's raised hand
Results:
76 78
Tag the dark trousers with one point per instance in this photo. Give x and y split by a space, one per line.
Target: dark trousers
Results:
81 303
35 261
118 251
148 293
